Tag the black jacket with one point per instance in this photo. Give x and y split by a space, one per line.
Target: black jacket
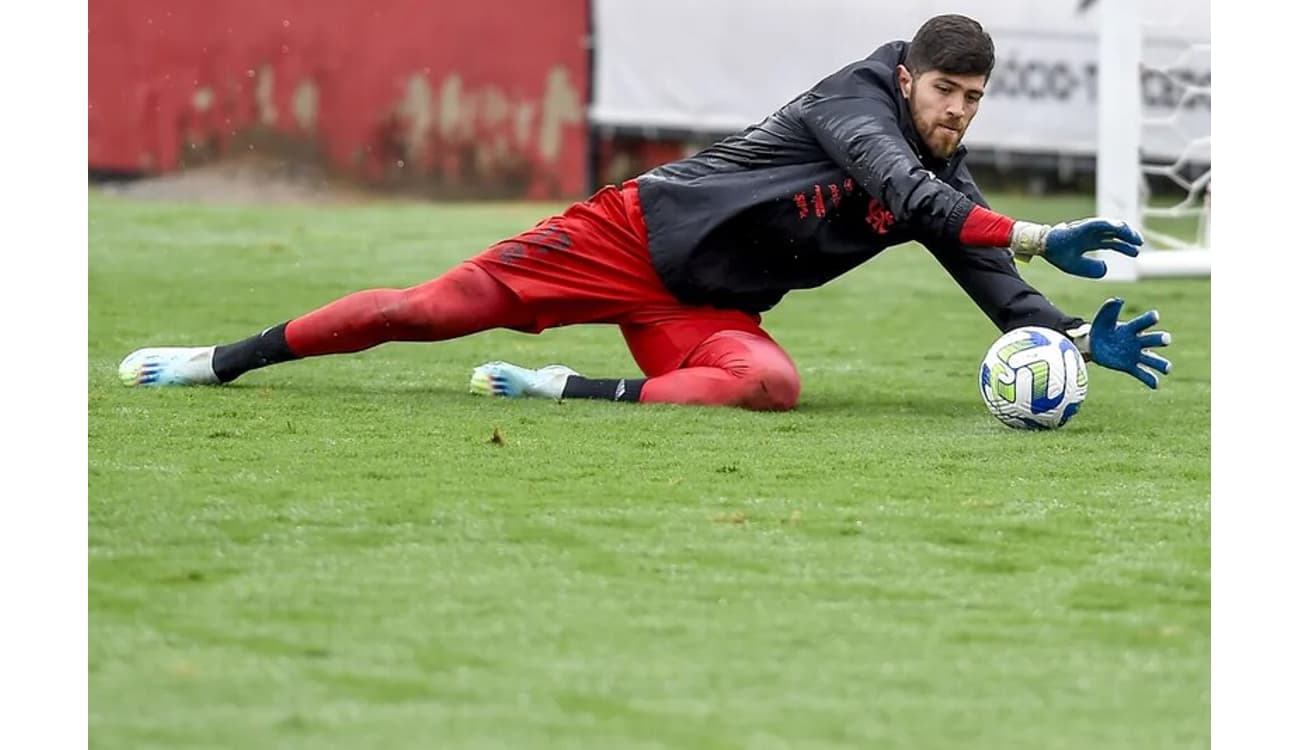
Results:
822 185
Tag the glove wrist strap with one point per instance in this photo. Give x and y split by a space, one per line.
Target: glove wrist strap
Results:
1027 240
1082 339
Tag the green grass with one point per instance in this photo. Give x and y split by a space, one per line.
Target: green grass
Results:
334 553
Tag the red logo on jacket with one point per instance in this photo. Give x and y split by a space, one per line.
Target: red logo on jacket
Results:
877 217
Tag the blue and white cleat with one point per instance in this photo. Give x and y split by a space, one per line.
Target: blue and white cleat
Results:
505 380
169 365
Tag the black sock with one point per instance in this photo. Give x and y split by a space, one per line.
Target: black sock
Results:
266 348
610 389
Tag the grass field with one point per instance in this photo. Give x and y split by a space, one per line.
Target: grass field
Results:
335 553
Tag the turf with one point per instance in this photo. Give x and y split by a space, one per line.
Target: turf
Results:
354 552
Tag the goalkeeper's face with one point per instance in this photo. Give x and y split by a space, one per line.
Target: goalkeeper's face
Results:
942 105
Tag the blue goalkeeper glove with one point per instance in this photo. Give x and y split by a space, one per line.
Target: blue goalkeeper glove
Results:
1122 346
1064 245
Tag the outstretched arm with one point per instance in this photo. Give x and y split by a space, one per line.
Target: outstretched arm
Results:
991 280
855 120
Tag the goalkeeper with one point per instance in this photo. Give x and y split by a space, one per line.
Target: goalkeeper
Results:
686 257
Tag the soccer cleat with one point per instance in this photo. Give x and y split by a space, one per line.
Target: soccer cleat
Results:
512 381
169 365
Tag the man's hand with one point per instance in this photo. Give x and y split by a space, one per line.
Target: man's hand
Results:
1064 245
1122 346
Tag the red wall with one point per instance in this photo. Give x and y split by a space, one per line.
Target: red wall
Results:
456 96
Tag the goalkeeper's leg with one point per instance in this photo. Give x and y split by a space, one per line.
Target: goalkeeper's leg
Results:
730 368
740 368
465 300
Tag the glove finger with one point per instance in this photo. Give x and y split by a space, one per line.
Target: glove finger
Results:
1108 315
1127 233
1143 321
1155 362
1148 378
1122 248
1093 230
1154 338
1093 225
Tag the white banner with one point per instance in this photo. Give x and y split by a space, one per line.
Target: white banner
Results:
720 65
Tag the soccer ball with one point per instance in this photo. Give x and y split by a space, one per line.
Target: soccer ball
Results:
1033 379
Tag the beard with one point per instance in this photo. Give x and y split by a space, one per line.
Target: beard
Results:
941 142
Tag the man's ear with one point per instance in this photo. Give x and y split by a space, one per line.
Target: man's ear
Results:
904 80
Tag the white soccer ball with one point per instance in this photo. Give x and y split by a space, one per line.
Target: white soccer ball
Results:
1034 379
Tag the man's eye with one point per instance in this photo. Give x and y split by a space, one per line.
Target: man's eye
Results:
944 89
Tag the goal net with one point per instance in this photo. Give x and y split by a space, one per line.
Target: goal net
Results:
1153 149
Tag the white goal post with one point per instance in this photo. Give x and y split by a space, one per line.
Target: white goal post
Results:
1153 100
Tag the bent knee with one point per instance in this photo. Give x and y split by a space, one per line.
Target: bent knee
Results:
770 388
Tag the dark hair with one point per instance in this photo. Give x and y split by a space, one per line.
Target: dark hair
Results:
950 44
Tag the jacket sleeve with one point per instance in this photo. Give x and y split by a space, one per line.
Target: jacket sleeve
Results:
855 121
989 277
